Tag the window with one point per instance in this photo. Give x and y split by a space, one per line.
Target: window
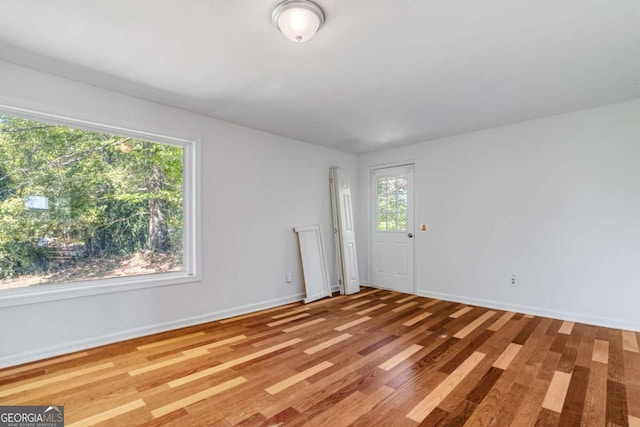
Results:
85 207
392 203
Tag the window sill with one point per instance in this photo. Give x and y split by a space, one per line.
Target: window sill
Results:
42 293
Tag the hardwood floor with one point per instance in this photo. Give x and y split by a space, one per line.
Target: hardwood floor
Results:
375 358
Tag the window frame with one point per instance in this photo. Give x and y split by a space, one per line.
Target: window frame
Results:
191 222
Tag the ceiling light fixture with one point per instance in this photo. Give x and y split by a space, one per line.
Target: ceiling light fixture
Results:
298 20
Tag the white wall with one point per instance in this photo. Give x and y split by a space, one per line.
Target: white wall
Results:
555 201
255 188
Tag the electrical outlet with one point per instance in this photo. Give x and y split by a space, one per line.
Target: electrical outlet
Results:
514 281
289 277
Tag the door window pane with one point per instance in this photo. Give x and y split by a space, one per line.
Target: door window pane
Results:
392 203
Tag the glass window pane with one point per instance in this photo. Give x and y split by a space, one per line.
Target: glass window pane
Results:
391 222
402 219
381 219
401 211
392 202
382 203
402 182
79 205
391 185
382 186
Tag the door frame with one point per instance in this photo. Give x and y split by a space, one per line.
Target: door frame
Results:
370 169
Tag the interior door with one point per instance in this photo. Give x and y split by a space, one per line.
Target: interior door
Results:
344 231
392 242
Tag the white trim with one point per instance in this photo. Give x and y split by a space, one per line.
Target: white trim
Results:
84 344
60 120
41 293
606 322
191 217
191 221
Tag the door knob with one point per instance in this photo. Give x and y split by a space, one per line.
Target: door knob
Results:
410 235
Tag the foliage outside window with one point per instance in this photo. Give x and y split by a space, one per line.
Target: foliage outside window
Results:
392 203
78 205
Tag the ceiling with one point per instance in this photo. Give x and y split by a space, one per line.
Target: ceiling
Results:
380 73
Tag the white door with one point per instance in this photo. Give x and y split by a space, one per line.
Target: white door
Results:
392 228
344 231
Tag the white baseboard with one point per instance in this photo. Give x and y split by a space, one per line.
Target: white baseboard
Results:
384 288
606 322
31 356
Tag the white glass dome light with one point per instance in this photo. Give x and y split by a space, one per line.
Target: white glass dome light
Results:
298 20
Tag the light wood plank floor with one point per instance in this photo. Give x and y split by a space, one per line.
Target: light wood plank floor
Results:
375 358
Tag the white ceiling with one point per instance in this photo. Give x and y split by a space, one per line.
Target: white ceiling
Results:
380 73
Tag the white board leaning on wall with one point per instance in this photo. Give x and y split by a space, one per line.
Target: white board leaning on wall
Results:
314 263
